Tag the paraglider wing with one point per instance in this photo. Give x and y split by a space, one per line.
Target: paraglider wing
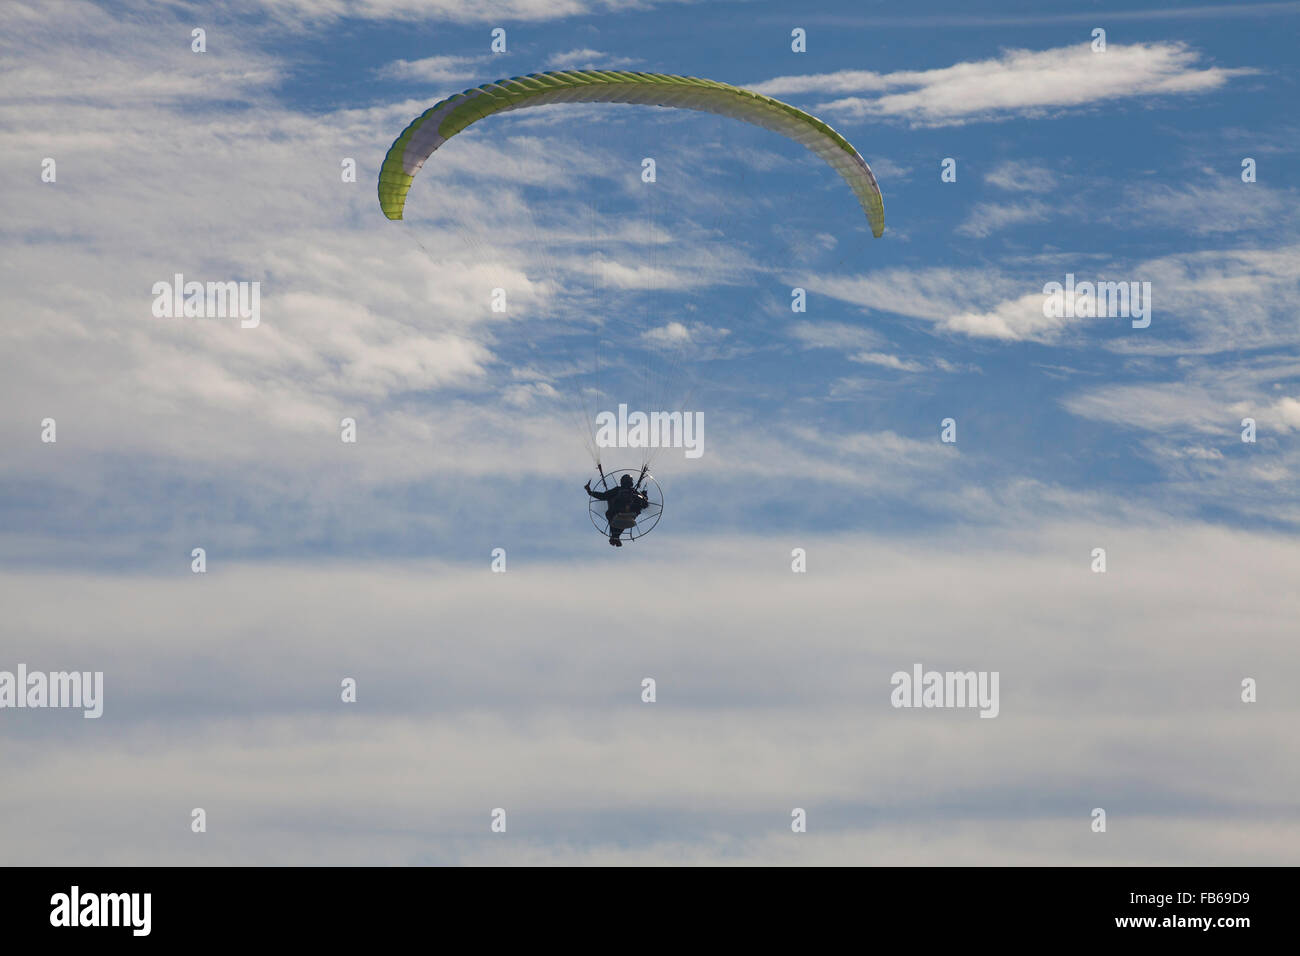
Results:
444 120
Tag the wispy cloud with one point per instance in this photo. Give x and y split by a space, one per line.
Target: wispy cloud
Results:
446 11
1189 407
953 300
857 343
835 335
435 69
1208 301
1162 408
1022 177
1208 11
888 361
678 335
1219 300
1017 83
263 742
1207 202
129 63
587 59
987 218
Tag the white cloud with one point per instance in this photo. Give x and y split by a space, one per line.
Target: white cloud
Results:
1011 320
358 314
1216 300
1209 404
482 690
120 62
1017 83
835 335
587 59
1190 452
888 361
676 335
436 69
451 11
1284 414
860 344
1021 177
1206 302
523 396
1156 407
987 218
1213 204
953 300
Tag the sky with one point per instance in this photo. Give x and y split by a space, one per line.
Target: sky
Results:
826 538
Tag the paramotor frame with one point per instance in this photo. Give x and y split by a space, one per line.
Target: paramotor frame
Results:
645 521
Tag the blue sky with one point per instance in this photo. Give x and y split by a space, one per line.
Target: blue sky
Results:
822 429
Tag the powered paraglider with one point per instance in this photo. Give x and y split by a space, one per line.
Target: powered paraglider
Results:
629 358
